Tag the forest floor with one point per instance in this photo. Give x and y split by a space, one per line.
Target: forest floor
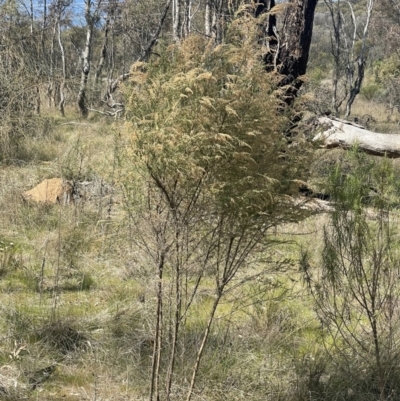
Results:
77 297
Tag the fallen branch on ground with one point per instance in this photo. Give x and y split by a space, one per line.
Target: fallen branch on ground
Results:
341 134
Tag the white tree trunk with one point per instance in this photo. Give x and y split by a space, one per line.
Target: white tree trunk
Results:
186 28
86 57
61 105
207 18
85 72
176 20
359 63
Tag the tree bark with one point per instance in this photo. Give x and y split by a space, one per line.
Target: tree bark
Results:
355 84
220 20
339 45
186 23
207 19
341 134
50 86
295 43
31 16
176 20
289 49
86 59
103 53
61 105
42 34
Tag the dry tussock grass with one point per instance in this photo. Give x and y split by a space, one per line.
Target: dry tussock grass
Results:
99 334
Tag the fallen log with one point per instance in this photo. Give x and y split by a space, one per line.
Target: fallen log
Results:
341 134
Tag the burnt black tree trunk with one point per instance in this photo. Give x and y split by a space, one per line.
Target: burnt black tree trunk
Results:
289 49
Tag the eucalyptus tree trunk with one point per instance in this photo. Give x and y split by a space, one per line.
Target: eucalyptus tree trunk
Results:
90 17
38 102
295 43
181 19
42 35
186 23
337 50
216 15
349 57
50 86
356 72
31 16
176 20
219 19
207 18
61 105
289 49
103 55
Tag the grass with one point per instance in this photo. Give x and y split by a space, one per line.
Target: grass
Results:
76 292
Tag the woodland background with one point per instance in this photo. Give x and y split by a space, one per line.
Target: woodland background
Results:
209 247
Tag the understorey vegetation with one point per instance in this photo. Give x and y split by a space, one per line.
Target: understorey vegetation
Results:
186 262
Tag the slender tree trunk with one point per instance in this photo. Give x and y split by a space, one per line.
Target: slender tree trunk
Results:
38 102
207 19
50 86
337 49
155 368
61 105
103 53
220 20
42 36
37 87
177 318
355 88
186 18
86 60
202 345
31 4
361 59
176 20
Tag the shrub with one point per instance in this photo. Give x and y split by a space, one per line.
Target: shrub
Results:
206 172
356 291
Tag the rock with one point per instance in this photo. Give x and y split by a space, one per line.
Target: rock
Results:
54 190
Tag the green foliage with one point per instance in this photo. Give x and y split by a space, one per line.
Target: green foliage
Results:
387 75
73 245
20 126
8 256
389 67
317 75
370 91
356 292
26 138
77 281
74 165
